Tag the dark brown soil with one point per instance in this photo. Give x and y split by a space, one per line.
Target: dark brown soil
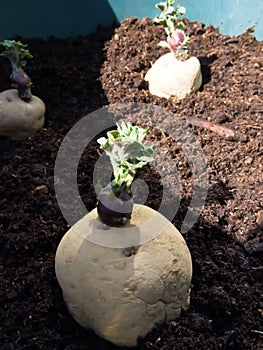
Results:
79 75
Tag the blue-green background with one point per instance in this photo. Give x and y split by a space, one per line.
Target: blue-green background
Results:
65 18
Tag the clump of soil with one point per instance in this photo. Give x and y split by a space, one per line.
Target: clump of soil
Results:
76 76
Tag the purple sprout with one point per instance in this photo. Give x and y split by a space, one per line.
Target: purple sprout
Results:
178 41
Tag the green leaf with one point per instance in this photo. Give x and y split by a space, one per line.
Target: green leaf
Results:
181 10
169 16
126 150
16 52
161 6
164 44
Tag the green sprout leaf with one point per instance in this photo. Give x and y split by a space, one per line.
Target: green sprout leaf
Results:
127 152
16 52
169 18
164 44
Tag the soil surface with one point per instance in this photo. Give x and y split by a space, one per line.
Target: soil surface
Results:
77 76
